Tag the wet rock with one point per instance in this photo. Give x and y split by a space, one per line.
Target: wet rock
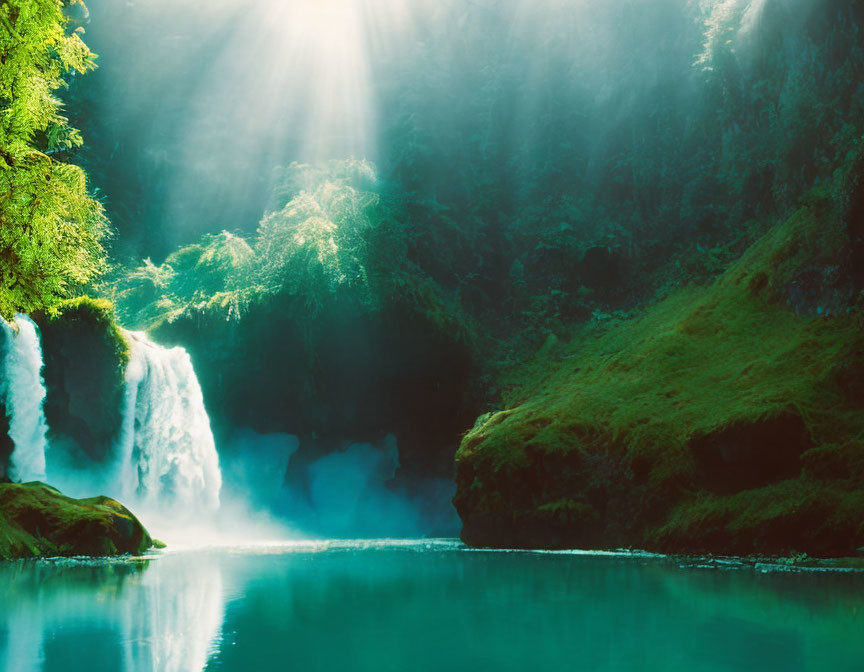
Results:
603 270
6 445
353 374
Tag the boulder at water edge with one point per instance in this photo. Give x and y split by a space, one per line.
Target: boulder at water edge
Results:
36 520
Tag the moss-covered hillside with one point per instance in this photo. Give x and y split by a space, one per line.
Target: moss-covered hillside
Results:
727 418
37 521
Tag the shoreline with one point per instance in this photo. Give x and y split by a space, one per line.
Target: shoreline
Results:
762 564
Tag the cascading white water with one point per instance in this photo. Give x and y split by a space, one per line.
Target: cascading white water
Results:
23 392
166 453
165 457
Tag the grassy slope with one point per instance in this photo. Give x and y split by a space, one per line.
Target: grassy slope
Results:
37 521
697 363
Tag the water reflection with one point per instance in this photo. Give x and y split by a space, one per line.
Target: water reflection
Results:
99 615
172 622
422 607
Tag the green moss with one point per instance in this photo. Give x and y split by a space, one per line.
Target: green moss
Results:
699 360
36 520
768 519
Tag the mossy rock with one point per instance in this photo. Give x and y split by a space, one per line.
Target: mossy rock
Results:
36 520
726 419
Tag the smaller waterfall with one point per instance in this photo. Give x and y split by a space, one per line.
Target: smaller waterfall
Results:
166 453
23 391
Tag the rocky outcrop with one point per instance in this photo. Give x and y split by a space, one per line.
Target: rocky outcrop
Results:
85 357
37 521
726 419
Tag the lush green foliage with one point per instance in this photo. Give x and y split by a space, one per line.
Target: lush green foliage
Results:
50 226
329 237
215 274
318 239
699 359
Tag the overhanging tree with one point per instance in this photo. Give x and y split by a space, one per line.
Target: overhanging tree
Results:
50 226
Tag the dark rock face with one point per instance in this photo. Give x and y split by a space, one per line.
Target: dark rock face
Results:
553 499
786 519
855 227
850 376
6 444
37 521
84 365
762 489
753 455
603 270
576 499
822 290
351 374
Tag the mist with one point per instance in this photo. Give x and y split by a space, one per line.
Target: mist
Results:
354 492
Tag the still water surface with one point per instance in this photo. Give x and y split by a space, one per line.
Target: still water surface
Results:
421 606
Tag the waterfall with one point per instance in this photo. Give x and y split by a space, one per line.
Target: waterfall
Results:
165 457
166 452
23 392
